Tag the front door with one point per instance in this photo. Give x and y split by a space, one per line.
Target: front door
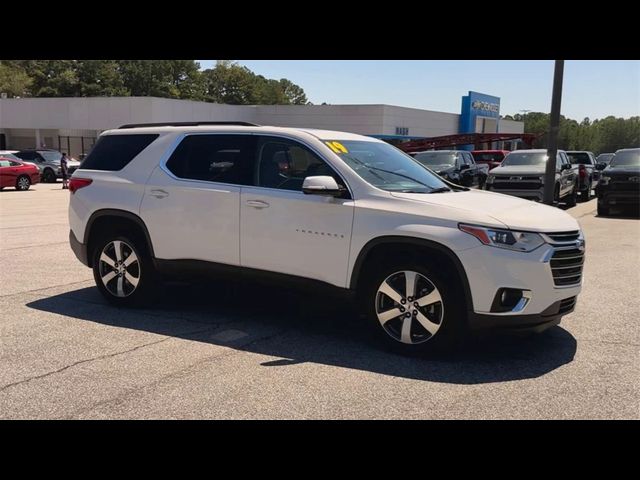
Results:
284 230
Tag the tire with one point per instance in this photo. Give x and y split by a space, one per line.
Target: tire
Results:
444 317
572 198
48 176
23 183
603 210
585 195
127 285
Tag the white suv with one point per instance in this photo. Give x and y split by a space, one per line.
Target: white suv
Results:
425 258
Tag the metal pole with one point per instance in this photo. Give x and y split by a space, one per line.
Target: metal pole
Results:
554 128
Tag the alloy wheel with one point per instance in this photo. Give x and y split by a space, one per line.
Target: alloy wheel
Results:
119 268
409 307
23 183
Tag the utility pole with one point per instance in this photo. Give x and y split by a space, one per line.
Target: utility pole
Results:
554 128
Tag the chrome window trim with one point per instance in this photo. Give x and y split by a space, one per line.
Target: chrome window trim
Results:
174 145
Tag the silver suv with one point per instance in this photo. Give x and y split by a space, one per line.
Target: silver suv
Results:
48 162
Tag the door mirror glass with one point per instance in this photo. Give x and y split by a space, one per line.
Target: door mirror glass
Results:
322 185
464 166
601 166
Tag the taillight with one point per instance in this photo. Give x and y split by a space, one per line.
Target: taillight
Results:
582 171
78 183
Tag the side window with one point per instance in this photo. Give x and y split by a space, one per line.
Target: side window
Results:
214 158
114 152
26 155
284 164
468 159
559 161
5 163
15 164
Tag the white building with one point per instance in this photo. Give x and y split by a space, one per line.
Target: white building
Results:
72 124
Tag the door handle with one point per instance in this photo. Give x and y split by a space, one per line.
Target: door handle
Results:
158 193
257 203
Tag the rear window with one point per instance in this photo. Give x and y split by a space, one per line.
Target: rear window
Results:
488 157
579 158
114 152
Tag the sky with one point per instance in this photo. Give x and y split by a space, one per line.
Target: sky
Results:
591 88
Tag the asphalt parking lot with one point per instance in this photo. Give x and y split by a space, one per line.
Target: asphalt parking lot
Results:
246 351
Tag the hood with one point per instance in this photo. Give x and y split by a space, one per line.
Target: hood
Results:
512 212
622 170
519 170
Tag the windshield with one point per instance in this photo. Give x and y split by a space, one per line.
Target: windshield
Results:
604 158
488 157
386 167
626 158
431 159
579 158
51 156
524 158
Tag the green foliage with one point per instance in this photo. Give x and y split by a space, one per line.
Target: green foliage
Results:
14 81
605 135
227 82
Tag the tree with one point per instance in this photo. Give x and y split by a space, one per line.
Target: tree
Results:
14 81
101 78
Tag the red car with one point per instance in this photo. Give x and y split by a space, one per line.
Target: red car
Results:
14 173
493 158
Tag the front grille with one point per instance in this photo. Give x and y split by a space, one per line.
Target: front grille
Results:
516 185
567 305
561 237
624 186
566 266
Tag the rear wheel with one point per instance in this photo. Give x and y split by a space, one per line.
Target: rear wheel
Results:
23 183
123 270
411 309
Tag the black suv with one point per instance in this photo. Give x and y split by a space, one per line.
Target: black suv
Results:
620 181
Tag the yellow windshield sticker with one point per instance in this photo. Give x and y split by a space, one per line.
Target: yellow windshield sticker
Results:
337 147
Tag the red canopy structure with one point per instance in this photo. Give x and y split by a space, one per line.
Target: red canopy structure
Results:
475 139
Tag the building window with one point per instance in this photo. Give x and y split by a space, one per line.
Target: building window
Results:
402 130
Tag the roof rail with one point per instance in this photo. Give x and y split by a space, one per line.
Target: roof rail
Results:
185 124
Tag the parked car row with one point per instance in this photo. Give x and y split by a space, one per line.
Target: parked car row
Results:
46 163
615 177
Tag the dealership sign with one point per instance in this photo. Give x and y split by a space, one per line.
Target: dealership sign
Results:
486 106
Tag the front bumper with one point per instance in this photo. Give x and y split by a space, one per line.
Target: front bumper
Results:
618 197
523 323
490 269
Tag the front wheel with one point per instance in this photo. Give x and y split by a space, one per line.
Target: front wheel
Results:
23 183
586 194
412 310
123 271
48 176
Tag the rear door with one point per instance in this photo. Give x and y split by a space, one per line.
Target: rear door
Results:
191 203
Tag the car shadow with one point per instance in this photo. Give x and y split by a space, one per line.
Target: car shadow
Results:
298 327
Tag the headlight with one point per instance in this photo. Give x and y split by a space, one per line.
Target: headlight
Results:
604 180
490 179
509 239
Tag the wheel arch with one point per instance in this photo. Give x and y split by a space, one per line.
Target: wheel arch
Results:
104 219
379 245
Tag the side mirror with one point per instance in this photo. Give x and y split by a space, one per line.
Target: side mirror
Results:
566 166
322 185
464 166
601 166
